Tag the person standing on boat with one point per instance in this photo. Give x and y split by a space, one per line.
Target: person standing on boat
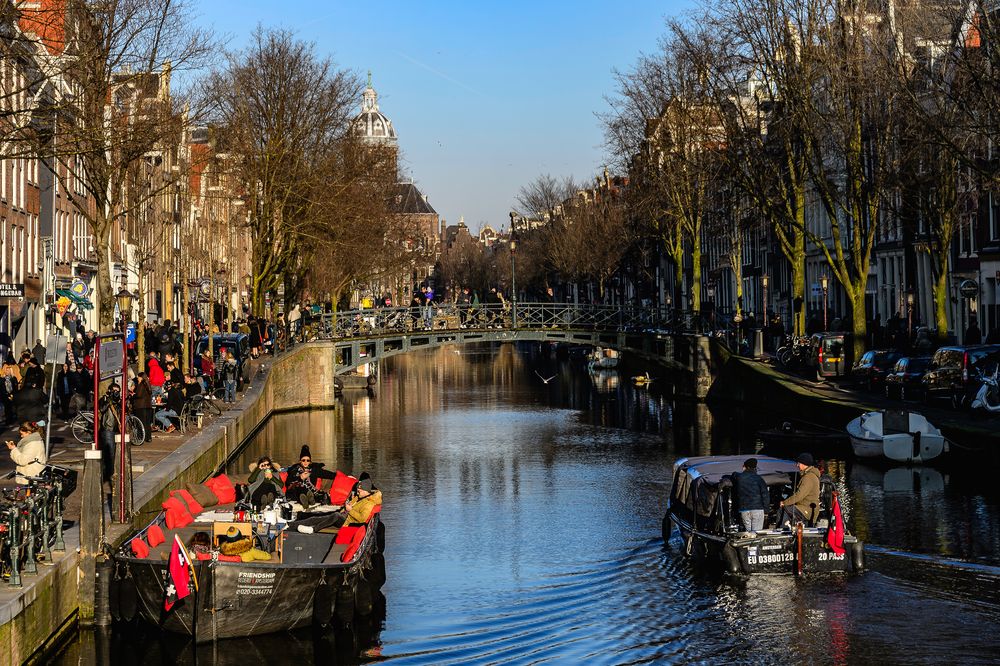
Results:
800 505
302 478
752 497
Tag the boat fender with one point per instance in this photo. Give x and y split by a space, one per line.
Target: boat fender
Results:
128 599
731 559
344 609
380 536
377 574
857 556
323 601
116 586
363 595
666 529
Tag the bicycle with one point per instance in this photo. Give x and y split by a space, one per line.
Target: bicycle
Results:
82 427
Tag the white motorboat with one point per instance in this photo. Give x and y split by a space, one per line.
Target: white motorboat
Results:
603 359
896 434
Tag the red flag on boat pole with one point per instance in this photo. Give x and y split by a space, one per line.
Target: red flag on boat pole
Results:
178 575
835 533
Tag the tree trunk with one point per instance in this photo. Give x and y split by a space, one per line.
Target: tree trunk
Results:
696 272
187 324
940 293
859 324
140 325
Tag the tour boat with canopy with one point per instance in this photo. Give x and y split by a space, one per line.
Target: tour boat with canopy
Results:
702 507
258 577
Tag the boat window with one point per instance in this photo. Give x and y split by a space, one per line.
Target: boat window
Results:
833 346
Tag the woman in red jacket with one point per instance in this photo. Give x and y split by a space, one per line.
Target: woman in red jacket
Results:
156 377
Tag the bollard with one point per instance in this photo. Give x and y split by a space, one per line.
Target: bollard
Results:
29 559
57 517
46 526
14 523
91 532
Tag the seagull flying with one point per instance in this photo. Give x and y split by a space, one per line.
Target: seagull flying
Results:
544 380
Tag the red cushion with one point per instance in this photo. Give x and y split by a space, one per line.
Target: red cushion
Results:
341 487
139 548
374 511
188 498
355 542
223 489
284 478
203 556
176 513
155 536
230 558
319 483
346 533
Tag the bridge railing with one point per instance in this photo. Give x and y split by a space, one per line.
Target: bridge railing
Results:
374 322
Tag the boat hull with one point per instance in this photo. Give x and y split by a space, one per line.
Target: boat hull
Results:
238 599
900 448
771 552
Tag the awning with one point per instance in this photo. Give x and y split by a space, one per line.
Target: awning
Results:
83 303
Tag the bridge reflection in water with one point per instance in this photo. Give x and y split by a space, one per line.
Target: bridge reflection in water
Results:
523 526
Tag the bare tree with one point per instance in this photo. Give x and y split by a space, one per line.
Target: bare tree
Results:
543 194
113 105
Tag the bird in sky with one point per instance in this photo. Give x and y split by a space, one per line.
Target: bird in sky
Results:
545 380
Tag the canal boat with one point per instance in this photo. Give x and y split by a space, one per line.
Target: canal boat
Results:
702 509
291 580
603 359
896 434
795 435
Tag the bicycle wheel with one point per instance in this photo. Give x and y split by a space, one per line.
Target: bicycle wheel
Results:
82 428
136 431
208 406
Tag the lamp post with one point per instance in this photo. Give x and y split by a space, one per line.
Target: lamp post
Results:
825 283
124 298
513 283
763 283
909 313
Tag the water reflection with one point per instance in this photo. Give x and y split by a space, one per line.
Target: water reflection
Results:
523 522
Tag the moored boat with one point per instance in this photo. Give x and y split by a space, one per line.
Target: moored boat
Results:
798 435
896 434
603 359
291 579
702 508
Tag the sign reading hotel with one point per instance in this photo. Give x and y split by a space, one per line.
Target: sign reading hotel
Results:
12 290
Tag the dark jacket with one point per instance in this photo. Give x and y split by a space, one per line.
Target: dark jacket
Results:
750 492
31 404
175 398
143 395
316 472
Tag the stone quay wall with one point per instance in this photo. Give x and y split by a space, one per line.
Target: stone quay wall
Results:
32 618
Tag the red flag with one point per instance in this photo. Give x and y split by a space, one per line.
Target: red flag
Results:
835 533
178 575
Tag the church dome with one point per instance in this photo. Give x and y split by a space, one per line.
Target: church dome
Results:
371 124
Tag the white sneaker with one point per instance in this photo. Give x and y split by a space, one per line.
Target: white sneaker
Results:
305 529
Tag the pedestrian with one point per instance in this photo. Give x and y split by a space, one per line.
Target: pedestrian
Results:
142 403
751 495
156 377
230 373
33 373
9 383
172 408
31 403
29 453
295 321
973 336
39 352
108 426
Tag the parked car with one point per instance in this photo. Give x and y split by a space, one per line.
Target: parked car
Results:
953 373
873 366
238 343
905 381
830 354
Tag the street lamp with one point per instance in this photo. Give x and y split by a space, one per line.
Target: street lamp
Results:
124 298
909 312
513 283
825 283
763 282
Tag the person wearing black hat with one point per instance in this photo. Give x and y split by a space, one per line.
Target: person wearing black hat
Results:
801 506
303 477
362 501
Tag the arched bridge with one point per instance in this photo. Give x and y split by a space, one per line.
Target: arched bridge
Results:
668 337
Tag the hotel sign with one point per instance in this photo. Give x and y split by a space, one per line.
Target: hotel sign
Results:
12 290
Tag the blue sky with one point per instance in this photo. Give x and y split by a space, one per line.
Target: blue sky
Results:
485 96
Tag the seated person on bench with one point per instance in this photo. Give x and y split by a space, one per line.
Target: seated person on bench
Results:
800 506
303 477
264 485
357 509
172 408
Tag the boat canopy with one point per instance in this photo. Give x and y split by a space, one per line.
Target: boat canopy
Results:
697 479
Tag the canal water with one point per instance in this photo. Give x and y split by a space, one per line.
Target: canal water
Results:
523 526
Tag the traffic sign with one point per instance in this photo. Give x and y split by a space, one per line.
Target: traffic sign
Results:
969 288
130 333
55 348
111 359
